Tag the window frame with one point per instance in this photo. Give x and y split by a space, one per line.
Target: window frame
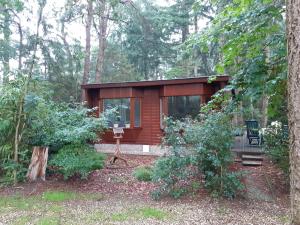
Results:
131 110
140 109
103 108
165 103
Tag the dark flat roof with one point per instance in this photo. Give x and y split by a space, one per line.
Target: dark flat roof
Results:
203 79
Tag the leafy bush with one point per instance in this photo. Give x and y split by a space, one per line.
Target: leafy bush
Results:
77 159
42 122
276 145
52 124
198 148
143 173
225 184
8 167
171 172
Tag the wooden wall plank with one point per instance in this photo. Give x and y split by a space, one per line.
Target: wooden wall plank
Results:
183 89
150 132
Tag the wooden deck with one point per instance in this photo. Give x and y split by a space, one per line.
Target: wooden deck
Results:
241 145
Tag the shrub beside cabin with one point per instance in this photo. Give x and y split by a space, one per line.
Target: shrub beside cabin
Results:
142 105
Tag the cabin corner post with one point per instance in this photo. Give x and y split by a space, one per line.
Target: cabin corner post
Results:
202 100
100 106
84 95
223 84
164 106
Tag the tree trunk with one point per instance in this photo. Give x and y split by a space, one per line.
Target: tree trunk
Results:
87 58
196 24
20 47
184 33
293 38
67 47
6 57
20 116
185 27
264 110
102 32
37 167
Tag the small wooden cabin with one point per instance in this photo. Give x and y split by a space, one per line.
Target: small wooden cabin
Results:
142 105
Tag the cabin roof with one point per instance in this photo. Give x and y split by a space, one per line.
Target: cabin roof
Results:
203 79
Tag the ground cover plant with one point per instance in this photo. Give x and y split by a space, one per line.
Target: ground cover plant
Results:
144 173
77 159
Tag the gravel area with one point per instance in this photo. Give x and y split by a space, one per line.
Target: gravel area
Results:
124 200
124 210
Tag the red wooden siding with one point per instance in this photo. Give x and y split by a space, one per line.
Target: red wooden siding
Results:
150 132
150 93
183 89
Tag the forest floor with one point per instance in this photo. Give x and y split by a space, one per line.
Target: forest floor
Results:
113 196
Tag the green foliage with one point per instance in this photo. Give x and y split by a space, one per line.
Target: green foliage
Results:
42 123
52 124
10 102
277 108
143 173
9 166
146 38
171 173
198 147
251 44
224 184
115 62
276 145
77 159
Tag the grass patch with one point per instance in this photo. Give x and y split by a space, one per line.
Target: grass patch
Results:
18 202
143 173
22 220
48 221
139 213
120 217
153 213
61 196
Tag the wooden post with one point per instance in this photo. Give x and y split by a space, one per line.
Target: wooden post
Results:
118 134
37 167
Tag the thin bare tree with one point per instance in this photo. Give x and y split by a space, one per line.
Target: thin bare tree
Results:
104 10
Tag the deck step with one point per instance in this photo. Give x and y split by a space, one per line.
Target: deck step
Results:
238 160
251 163
253 157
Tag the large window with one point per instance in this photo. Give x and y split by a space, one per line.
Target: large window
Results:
183 106
137 112
122 105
